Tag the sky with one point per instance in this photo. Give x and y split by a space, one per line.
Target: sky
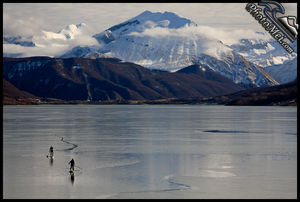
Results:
27 19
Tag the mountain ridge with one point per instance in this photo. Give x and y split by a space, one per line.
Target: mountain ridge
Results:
106 79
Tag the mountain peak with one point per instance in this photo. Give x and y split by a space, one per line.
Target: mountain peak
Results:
146 12
73 27
80 25
175 21
71 30
145 20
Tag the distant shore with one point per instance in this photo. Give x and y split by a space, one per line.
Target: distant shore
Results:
222 100
282 95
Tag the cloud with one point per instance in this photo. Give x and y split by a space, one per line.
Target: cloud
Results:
101 16
50 51
72 35
203 33
54 44
57 43
28 18
24 27
227 22
231 36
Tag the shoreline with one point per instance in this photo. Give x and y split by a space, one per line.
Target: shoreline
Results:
196 101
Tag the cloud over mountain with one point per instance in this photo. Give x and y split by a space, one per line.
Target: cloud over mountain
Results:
49 43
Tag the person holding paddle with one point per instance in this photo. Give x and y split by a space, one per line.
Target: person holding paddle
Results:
72 164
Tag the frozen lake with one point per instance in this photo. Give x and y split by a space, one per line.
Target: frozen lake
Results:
150 151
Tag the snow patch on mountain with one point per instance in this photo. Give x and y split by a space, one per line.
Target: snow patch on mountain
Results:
23 67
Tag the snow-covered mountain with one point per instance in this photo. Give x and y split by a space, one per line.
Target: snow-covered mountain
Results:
235 67
264 50
18 40
166 41
163 41
142 22
284 73
269 54
79 52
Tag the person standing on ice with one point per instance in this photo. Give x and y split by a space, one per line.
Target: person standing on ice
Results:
72 164
51 151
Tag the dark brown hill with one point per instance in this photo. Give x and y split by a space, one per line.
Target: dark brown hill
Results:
284 94
281 95
12 95
108 79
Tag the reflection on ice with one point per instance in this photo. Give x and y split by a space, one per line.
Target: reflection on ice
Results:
72 178
226 131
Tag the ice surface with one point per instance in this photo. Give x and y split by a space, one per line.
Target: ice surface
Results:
163 151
